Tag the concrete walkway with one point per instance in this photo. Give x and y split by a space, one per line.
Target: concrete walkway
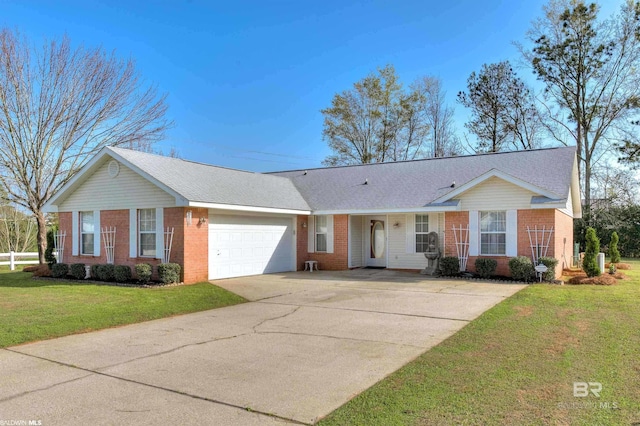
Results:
306 344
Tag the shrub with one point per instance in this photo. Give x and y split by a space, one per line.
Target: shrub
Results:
613 248
144 271
486 267
169 273
48 253
106 272
122 273
78 271
450 265
551 264
590 261
59 270
94 271
521 268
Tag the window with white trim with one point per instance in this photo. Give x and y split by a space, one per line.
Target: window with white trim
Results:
87 229
147 232
493 233
321 233
422 229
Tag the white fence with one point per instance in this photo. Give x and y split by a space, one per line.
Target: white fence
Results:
17 259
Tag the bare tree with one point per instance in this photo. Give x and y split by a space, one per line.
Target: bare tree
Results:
17 230
438 117
58 106
376 121
589 67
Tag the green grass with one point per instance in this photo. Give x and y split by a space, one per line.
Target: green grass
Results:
516 364
38 309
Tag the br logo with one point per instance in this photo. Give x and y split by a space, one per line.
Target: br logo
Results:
582 389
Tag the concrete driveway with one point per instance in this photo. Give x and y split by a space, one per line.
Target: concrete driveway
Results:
306 344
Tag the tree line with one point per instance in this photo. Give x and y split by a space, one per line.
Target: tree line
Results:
590 98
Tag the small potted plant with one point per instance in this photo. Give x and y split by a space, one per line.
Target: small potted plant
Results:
612 268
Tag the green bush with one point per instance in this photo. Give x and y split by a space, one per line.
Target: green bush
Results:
613 248
59 270
450 265
144 272
106 272
169 273
122 273
48 253
78 271
551 264
521 268
486 267
94 271
590 261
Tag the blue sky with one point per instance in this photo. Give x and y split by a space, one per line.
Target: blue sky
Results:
246 80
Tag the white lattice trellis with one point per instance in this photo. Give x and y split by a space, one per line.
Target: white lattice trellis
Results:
109 241
461 236
539 241
168 241
58 242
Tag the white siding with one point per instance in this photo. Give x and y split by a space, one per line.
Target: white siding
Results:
398 256
568 210
356 241
496 194
127 190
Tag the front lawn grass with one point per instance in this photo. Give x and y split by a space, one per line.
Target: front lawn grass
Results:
42 309
517 363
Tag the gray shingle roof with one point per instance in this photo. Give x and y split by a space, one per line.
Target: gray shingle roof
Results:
415 184
199 182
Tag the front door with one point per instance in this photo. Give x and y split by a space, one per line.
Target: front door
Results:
376 241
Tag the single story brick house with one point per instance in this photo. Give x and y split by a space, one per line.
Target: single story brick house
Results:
223 223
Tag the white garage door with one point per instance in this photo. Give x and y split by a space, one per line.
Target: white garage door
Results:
246 245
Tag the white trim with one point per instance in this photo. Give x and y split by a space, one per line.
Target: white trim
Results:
96 233
474 233
554 205
330 234
133 233
159 233
499 174
511 243
410 233
247 208
379 212
294 229
75 233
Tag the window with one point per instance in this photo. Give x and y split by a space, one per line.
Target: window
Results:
422 229
493 233
321 233
147 232
86 233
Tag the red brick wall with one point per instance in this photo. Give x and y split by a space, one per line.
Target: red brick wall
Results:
190 246
336 261
563 237
302 238
452 219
